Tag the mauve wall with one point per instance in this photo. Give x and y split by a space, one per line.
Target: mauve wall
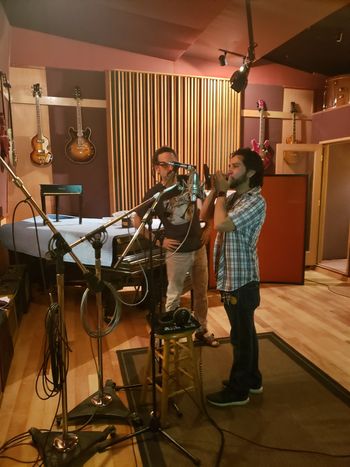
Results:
93 175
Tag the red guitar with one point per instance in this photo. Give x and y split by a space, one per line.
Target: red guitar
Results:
262 147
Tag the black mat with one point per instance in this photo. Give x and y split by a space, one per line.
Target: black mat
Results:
301 409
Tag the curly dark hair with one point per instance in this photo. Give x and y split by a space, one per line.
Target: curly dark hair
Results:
252 161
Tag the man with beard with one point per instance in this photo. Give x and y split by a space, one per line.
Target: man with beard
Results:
238 220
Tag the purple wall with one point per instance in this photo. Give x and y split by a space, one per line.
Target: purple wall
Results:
93 175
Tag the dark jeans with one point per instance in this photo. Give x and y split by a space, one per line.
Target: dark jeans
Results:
245 372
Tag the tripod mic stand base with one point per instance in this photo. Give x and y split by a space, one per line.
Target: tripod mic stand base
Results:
153 427
98 412
76 456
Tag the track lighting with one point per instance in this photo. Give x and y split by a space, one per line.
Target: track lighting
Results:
223 59
239 79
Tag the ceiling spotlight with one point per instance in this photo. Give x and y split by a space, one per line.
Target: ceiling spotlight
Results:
223 59
239 79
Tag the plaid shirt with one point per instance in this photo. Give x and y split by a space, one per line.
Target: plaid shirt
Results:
235 256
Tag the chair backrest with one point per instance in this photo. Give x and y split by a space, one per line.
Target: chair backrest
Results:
61 190
53 189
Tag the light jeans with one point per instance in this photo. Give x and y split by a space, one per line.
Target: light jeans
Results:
178 264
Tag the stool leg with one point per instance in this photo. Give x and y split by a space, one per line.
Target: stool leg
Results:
195 368
165 382
147 378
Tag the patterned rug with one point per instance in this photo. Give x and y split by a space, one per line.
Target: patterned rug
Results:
302 418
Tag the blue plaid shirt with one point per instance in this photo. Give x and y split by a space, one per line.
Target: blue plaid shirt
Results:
235 256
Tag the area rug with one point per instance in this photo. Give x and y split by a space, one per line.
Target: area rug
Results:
301 419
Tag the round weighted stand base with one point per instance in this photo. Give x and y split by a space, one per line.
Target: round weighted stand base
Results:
65 443
101 401
83 450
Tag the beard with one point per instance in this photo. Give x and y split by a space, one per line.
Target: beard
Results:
236 182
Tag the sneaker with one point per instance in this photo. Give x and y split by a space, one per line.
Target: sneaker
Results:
205 338
254 390
226 398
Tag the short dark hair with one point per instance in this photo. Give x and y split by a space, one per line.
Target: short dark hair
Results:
160 151
252 161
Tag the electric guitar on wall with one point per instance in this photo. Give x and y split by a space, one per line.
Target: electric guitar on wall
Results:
41 154
292 157
262 147
293 110
80 149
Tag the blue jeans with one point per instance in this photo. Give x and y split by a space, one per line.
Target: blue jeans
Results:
245 373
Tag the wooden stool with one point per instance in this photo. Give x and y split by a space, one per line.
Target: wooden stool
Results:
173 354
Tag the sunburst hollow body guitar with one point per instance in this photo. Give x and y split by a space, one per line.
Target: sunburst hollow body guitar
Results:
79 148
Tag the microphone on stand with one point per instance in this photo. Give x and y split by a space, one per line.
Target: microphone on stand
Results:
181 165
195 189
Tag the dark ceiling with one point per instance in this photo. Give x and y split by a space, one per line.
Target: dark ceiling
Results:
322 48
309 35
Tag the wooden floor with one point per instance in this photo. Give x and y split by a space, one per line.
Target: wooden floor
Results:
314 318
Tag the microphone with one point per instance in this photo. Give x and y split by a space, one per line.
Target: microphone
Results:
181 165
195 191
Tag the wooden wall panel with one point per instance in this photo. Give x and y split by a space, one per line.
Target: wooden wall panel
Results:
198 117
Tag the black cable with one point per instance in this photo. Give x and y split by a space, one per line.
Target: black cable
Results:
14 442
328 286
42 271
276 448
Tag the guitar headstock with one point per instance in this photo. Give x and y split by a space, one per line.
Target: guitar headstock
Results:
293 108
36 90
7 85
77 93
261 105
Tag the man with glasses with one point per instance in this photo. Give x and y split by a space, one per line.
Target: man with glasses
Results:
185 251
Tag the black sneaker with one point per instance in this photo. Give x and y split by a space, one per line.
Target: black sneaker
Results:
226 398
253 390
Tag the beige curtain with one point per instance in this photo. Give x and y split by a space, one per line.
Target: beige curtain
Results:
198 117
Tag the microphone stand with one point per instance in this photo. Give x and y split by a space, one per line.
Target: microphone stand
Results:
60 448
154 425
103 404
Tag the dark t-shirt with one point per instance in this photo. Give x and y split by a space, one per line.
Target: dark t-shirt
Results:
179 216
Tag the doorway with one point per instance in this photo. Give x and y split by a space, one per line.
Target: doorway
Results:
334 233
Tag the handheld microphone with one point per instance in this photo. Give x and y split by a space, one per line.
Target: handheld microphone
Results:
181 165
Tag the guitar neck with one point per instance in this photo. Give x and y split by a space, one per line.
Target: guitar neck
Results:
38 118
79 120
294 129
261 129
